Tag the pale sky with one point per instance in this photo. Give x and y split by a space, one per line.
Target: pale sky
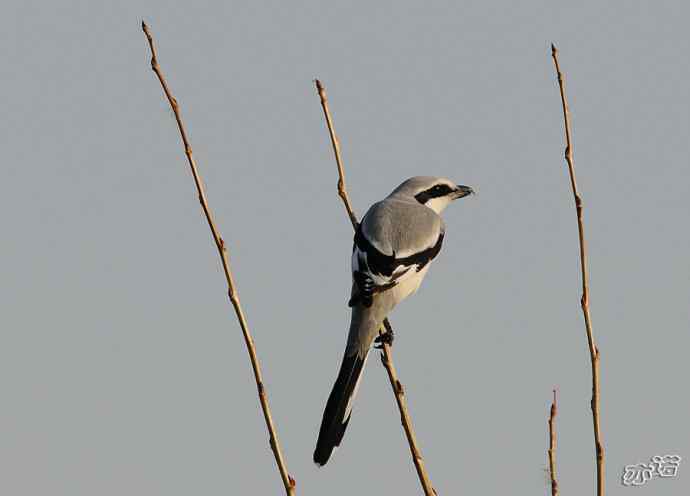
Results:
122 366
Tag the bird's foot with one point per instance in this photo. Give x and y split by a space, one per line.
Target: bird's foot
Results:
385 338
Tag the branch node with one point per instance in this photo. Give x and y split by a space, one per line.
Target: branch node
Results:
399 388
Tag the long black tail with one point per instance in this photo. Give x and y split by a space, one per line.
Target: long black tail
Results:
339 407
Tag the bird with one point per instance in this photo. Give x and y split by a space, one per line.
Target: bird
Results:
394 245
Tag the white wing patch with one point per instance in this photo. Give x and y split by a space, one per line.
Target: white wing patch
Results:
400 273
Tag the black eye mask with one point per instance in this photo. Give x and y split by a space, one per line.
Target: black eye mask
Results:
433 192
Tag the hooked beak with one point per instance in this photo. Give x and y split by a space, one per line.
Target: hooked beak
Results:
462 191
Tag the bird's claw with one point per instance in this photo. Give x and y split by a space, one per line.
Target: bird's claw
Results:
383 339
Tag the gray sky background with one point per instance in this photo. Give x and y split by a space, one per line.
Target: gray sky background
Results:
122 367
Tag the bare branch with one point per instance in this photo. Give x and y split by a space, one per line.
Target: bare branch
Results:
552 447
584 302
387 356
342 191
288 481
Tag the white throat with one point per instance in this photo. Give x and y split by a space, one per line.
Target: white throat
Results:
438 204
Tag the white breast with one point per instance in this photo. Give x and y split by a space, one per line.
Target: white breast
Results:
409 284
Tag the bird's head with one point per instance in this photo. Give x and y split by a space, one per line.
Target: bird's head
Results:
433 192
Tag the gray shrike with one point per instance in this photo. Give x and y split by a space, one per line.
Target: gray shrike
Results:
393 247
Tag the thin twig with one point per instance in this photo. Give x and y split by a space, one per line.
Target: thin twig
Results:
552 447
288 481
584 301
387 356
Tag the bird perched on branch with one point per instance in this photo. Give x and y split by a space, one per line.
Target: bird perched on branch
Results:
393 248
